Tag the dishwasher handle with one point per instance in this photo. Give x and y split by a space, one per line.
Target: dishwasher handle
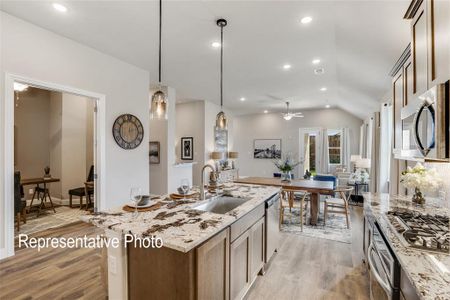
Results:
374 270
272 200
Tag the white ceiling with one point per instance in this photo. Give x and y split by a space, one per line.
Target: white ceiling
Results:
357 41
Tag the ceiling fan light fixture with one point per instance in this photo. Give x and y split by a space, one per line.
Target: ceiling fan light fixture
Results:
287 117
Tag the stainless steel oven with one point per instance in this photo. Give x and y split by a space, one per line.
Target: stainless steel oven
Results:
425 125
384 269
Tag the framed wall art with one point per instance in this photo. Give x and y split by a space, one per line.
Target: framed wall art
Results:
154 153
267 149
187 148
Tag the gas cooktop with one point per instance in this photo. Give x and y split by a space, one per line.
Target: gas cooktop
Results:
421 231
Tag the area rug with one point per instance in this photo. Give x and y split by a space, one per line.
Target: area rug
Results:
48 219
335 228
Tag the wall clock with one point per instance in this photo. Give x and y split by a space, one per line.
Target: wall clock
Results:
128 131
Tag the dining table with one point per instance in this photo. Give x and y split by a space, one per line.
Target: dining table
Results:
37 182
314 187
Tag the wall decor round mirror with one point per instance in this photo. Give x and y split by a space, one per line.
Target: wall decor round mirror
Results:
128 131
424 126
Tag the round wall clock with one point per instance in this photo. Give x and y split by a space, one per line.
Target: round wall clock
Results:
128 131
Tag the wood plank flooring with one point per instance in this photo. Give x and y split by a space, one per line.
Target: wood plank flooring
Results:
304 268
54 273
311 268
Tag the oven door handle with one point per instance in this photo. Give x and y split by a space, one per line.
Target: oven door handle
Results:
385 285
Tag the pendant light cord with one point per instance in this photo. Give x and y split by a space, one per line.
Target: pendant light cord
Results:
160 30
221 67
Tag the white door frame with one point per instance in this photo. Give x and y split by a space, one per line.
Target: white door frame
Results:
301 146
8 142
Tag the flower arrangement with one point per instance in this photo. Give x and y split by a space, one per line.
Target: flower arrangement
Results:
359 176
286 165
421 180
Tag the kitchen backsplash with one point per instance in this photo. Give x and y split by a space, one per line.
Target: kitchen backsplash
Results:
444 172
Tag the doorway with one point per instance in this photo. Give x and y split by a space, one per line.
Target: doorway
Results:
308 150
98 153
53 158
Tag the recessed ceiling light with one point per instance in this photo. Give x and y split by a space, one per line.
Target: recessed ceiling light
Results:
266 111
215 44
323 89
242 99
287 66
327 106
316 61
20 87
319 71
59 7
306 20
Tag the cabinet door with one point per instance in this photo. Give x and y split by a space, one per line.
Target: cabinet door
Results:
438 14
240 265
213 267
419 50
257 247
408 82
397 91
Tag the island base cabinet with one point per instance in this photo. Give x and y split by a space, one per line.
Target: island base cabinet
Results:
201 273
213 268
246 259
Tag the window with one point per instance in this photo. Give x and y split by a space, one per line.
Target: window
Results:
334 146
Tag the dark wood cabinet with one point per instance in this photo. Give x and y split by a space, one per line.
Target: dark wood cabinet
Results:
419 50
438 15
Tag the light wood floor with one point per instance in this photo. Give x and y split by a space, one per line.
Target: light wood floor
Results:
304 268
54 273
311 268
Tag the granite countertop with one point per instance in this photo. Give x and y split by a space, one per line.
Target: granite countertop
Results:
427 271
177 223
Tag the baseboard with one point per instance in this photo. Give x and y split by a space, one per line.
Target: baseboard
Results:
58 201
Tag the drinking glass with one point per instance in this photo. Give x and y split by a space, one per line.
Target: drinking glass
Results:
135 195
185 187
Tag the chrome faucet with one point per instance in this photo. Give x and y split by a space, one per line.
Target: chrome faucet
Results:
202 184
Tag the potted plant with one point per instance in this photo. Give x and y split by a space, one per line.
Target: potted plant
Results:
286 166
421 180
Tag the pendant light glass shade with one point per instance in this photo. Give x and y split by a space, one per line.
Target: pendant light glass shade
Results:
221 121
158 109
158 106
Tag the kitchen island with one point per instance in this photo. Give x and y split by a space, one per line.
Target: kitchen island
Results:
424 274
205 255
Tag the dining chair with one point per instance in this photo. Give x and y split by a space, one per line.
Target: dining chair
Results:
287 200
20 203
338 205
89 191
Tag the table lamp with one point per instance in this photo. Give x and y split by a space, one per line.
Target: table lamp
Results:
354 158
232 155
218 157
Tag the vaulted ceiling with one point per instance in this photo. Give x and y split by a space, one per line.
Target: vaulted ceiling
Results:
357 42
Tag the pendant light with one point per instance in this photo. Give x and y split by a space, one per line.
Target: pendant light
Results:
159 103
221 119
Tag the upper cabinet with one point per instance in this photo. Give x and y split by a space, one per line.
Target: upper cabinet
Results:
430 43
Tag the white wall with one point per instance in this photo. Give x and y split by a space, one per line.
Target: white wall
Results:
273 126
190 123
198 119
33 52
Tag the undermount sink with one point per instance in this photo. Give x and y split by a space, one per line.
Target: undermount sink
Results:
222 204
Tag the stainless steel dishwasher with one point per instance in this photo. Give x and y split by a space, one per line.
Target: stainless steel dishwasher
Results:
272 226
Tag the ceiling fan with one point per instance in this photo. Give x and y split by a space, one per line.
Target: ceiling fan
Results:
289 115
